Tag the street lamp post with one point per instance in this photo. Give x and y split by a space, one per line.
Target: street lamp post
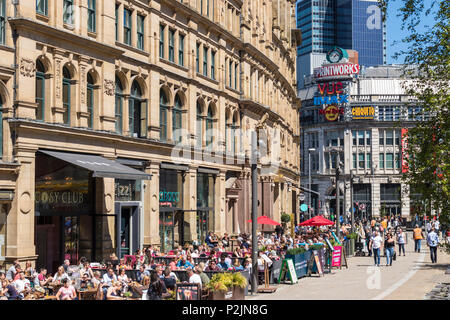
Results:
351 199
254 212
309 176
338 209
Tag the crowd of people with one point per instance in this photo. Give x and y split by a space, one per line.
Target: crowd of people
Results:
382 235
156 278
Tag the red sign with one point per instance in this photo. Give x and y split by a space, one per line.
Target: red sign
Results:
330 88
331 112
336 70
336 257
404 154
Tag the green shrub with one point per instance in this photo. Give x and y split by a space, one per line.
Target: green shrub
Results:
226 280
316 247
285 218
353 235
295 251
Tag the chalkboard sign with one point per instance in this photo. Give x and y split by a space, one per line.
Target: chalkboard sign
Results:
318 263
287 266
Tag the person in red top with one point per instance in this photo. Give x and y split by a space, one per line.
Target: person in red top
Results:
42 277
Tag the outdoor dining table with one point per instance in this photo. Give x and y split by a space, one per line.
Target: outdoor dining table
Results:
89 294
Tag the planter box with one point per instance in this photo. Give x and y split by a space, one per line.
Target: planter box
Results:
300 263
234 293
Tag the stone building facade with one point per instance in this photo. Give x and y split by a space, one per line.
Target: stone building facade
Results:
98 98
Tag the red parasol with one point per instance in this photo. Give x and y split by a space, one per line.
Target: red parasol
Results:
317 221
265 220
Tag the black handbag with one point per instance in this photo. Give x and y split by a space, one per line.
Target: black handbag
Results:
395 256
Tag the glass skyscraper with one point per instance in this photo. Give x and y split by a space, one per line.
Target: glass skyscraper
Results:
350 24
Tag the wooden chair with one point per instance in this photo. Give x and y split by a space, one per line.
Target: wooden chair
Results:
204 294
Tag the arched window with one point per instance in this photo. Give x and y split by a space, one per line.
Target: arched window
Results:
199 124
66 95
209 127
119 105
1 126
137 115
40 90
163 102
90 100
176 119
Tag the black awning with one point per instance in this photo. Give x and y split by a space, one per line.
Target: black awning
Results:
100 166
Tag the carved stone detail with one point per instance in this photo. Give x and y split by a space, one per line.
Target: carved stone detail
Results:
58 78
27 67
83 83
109 87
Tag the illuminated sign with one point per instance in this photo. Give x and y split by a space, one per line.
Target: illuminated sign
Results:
363 113
336 70
330 100
332 112
330 88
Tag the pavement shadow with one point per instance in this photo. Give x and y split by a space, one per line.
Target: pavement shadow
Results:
433 266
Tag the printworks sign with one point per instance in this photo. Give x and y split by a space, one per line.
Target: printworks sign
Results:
363 113
336 70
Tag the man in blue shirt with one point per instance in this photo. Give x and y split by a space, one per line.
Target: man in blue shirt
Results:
433 242
183 263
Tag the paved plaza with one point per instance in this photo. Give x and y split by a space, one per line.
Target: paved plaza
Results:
410 277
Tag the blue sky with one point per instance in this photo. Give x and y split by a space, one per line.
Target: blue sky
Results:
394 32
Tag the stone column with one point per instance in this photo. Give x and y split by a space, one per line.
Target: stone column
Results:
219 203
151 206
375 199
20 222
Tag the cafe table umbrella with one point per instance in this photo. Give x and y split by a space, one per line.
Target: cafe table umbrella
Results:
317 221
265 220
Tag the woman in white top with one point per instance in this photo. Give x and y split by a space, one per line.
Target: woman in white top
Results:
401 241
123 278
60 275
87 269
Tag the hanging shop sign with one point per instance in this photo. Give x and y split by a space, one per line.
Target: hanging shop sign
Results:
363 113
168 199
332 112
336 70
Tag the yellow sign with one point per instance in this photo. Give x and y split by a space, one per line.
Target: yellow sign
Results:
363 113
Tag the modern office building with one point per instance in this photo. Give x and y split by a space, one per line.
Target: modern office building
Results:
366 130
126 123
349 24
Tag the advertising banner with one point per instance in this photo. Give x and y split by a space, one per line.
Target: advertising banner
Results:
363 113
336 257
404 147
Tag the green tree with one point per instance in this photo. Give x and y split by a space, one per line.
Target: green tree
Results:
427 61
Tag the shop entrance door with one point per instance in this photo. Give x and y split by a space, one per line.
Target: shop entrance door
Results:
127 228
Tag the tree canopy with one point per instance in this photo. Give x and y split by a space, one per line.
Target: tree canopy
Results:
427 61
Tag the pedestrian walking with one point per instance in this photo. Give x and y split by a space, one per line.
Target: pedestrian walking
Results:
368 236
418 236
401 242
389 246
375 244
433 242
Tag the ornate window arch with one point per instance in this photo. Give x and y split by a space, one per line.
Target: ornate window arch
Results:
119 105
163 111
